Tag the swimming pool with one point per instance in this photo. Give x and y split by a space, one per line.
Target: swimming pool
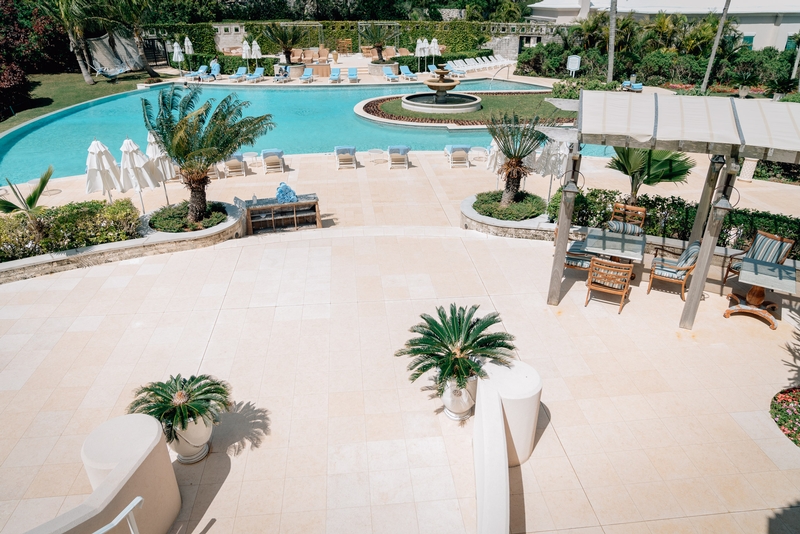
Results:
308 119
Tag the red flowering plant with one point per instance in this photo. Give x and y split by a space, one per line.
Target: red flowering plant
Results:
785 411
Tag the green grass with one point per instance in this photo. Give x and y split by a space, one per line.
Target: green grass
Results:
526 106
57 91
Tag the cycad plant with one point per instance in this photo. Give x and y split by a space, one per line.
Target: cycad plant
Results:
455 346
285 37
198 138
650 167
516 139
377 36
29 205
179 401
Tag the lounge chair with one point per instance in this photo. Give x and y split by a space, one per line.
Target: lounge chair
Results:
235 167
352 74
432 69
389 75
406 73
449 149
335 76
308 75
765 247
211 76
674 271
609 277
404 52
458 158
296 55
345 157
256 76
454 71
389 52
282 76
241 72
398 156
627 219
272 160
196 74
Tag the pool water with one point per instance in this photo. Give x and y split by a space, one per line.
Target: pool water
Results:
308 119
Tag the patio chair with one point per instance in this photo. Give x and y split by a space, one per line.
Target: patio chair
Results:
374 54
345 157
215 70
398 156
404 52
235 167
627 219
240 74
765 247
335 76
674 271
389 52
454 71
365 50
308 56
297 53
449 149
322 55
272 160
609 277
213 172
352 75
406 73
282 76
577 257
458 158
432 69
308 75
256 76
389 75
196 74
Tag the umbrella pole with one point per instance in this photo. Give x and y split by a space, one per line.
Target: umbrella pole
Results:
142 201
109 197
549 188
165 192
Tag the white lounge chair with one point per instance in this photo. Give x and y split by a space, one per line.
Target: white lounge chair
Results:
272 160
235 167
458 158
345 157
398 156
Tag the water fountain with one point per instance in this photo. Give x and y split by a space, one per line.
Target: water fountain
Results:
441 101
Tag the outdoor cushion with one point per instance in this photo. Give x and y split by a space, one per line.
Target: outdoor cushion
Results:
666 272
766 249
605 283
624 228
578 261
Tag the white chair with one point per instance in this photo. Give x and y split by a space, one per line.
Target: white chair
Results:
345 157
398 156
458 158
272 160
235 167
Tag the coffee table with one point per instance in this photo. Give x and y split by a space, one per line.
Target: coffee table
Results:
376 154
252 156
615 245
762 274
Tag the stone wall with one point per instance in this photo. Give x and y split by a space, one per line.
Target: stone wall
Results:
452 14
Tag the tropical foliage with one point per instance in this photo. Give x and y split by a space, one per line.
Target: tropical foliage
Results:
650 167
378 35
525 206
285 37
28 205
455 346
179 401
198 136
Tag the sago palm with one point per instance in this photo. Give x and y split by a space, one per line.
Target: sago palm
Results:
377 36
650 167
178 401
198 138
28 205
516 139
285 37
455 346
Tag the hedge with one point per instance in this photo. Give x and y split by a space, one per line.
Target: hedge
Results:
74 225
673 217
412 61
228 64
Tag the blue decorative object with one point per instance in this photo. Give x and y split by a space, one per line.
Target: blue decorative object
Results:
285 194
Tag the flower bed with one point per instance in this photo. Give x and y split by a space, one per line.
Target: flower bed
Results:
525 206
175 218
785 411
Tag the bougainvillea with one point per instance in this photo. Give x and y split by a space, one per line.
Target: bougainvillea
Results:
785 411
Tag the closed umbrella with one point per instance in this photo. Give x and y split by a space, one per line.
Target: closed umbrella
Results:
161 160
255 52
246 52
551 162
434 48
187 46
418 53
425 47
137 171
102 173
177 56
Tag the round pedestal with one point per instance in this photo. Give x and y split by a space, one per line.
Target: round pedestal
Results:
441 102
376 69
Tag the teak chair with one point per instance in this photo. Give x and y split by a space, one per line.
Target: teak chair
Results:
765 247
674 271
609 277
627 219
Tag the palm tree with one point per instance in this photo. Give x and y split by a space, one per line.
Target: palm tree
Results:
198 138
612 39
516 139
507 11
796 39
131 13
650 167
72 15
455 346
285 37
29 205
720 27
377 36
473 13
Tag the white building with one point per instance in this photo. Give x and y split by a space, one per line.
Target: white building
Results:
764 23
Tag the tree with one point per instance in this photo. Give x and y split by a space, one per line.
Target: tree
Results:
508 11
796 39
516 139
720 27
473 13
285 37
198 138
72 15
377 36
131 13
29 205
612 39
650 167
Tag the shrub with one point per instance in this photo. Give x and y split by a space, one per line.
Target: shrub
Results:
175 218
777 172
571 88
794 97
525 206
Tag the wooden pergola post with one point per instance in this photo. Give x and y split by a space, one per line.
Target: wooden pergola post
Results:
704 206
568 194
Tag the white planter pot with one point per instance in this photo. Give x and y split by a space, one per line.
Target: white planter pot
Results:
458 403
744 91
192 443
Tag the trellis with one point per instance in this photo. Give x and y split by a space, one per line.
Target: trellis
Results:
309 25
392 25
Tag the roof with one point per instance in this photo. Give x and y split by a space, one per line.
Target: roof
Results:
687 7
760 128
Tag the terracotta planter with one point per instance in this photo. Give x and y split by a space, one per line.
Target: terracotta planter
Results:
458 403
335 56
192 443
376 69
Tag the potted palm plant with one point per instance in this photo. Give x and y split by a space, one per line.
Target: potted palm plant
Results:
187 409
455 347
377 35
286 38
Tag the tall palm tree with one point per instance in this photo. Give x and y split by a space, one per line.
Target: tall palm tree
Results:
131 13
28 205
285 37
377 36
612 39
796 39
650 167
720 27
72 15
516 139
198 138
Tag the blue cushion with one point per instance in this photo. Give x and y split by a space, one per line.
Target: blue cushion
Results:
767 249
624 228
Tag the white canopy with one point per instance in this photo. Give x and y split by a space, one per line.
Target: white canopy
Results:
177 53
159 158
426 47
187 46
245 50
418 50
137 171
102 173
761 129
255 52
434 48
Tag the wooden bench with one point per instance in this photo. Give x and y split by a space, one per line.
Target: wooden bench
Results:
268 214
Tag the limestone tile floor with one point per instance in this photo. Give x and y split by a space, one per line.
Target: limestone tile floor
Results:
644 428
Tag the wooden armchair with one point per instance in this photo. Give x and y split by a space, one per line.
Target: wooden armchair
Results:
674 271
609 277
627 219
765 247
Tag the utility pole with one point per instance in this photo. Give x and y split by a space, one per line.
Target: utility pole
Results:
612 39
716 45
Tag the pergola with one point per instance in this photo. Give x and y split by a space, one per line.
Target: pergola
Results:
726 128
309 25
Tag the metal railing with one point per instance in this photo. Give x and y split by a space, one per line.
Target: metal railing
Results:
127 513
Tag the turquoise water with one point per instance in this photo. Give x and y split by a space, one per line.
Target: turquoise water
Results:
308 119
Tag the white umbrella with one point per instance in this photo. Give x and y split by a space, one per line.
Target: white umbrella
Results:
434 48
418 53
255 52
161 160
102 173
187 46
246 52
137 171
425 47
177 56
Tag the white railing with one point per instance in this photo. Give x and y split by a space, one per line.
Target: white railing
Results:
127 513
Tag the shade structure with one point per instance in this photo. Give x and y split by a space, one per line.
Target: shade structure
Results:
255 52
187 46
434 48
425 47
137 171
177 53
760 129
246 50
418 52
160 159
102 173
